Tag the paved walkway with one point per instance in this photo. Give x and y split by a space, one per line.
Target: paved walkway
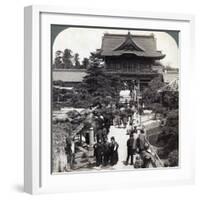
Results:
121 138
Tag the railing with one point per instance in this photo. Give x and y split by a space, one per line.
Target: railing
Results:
156 155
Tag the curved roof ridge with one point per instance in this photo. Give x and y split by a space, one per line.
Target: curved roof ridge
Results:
128 44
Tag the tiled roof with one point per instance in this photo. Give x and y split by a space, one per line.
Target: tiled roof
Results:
68 75
147 44
169 77
173 86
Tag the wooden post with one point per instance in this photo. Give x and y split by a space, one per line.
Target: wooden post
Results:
91 141
91 136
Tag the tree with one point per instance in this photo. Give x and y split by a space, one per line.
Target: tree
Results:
58 63
85 63
157 109
168 138
173 158
76 60
98 84
67 57
116 85
170 99
96 81
150 94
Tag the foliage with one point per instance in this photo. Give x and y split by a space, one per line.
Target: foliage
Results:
85 63
150 94
67 56
173 158
152 98
99 84
58 63
76 60
157 108
171 99
168 138
96 87
63 60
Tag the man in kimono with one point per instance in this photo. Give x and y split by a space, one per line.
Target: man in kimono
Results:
113 151
98 152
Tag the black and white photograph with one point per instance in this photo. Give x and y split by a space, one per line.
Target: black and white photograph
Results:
114 99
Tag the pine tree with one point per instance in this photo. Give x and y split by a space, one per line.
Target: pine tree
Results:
76 60
98 83
58 64
85 63
67 57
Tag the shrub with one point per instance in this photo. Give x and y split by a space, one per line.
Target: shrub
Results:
173 158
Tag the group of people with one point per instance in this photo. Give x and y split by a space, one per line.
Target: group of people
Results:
105 152
138 149
139 153
125 114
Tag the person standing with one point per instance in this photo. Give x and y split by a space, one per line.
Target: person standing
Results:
98 152
113 152
136 134
99 126
106 151
130 143
147 157
142 140
145 151
107 122
123 117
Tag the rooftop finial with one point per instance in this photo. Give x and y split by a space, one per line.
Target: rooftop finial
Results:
129 35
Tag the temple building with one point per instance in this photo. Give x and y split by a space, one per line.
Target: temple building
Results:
131 56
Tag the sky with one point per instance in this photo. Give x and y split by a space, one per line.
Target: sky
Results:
86 40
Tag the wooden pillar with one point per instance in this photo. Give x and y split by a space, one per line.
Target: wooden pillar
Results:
91 136
91 142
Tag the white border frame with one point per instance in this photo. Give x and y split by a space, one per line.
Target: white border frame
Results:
37 178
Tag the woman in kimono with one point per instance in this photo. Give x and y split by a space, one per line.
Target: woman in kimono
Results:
113 151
